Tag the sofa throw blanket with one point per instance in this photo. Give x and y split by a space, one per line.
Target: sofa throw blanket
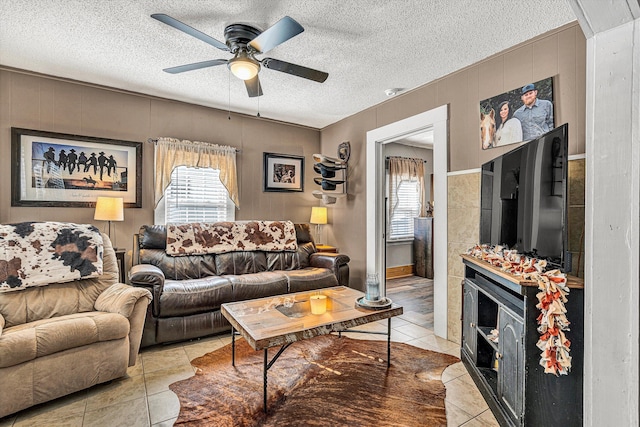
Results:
41 253
222 237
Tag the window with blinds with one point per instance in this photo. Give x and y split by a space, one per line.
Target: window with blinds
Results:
197 195
407 208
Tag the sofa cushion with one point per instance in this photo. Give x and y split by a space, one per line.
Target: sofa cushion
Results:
185 297
28 341
258 285
310 278
178 268
241 263
303 233
153 237
290 260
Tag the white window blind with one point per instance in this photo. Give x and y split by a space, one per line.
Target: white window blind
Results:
197 195
407 208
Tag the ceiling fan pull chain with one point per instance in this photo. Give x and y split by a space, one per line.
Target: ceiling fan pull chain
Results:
258 107
229 94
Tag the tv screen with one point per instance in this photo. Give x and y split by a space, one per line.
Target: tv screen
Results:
524 199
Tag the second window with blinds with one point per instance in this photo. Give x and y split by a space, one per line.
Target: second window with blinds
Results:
195 195
407 207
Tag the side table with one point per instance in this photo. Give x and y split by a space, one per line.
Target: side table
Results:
327 248
120 258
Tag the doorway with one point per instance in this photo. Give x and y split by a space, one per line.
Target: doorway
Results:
434 121
409 244
407 203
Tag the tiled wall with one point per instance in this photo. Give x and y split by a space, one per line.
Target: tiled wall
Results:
576 215
463 232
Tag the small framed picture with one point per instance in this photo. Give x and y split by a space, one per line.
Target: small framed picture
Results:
56 169
283 172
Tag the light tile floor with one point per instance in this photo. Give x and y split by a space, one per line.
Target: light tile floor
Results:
143 397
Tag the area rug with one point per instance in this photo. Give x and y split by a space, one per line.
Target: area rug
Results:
324 381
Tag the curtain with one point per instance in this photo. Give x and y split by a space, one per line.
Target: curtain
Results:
405 169
171 153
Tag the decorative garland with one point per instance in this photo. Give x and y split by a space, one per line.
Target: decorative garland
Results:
552 321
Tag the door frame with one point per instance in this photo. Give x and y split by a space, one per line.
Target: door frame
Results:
437 121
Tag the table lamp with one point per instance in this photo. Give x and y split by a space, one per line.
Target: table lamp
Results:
318 217
109 209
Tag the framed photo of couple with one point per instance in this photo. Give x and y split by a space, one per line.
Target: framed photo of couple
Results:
521 114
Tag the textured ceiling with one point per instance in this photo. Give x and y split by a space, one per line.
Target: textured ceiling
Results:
366 46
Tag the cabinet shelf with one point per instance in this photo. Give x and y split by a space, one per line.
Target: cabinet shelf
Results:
484 332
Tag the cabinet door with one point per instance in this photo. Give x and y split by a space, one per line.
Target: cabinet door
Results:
511 364
470 319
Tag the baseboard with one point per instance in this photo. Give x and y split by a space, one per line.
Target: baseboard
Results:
400 271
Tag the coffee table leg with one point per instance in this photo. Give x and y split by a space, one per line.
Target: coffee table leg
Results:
264 386
233 346
389 343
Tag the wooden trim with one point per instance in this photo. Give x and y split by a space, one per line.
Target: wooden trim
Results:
400 271
572 281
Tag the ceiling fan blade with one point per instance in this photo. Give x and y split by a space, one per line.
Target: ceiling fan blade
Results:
253 87
276 34
166 19
295 70
195 66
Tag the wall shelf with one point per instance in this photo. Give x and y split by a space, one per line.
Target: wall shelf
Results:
331 177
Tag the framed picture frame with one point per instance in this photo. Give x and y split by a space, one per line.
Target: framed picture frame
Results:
283 172
62 170
511 117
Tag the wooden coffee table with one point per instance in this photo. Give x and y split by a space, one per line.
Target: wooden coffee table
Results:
284 319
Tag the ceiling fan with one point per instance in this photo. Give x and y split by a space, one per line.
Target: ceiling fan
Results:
244 42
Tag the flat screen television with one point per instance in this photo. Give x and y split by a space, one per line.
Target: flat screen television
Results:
524 199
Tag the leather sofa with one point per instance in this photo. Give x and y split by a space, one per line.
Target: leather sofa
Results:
65 337
189 290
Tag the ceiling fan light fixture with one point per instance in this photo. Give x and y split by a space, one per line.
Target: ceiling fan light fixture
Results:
244 67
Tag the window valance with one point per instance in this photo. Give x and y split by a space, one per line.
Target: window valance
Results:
171 153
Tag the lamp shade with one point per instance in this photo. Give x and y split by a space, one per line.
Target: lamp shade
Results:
318 215
244 67
109 209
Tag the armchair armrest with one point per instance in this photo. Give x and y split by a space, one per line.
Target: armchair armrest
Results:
120 298
130 302
2 323
339 263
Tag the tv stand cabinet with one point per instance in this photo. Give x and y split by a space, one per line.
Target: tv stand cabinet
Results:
508 373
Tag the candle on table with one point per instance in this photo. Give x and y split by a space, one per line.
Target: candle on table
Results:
318 304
